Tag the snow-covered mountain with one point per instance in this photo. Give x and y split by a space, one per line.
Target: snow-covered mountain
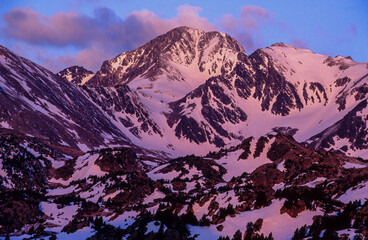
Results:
184 57
102 155
197 90
163 71
188 89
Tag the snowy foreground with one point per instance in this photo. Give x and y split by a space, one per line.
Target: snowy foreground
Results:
271 185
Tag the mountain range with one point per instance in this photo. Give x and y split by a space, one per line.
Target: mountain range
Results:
188 134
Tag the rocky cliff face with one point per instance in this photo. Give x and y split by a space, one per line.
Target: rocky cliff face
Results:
125 109
348 135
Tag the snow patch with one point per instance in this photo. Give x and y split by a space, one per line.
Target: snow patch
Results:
359 192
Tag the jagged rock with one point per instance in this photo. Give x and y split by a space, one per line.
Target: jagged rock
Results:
181 45
220 228
217 220
293 209
179 186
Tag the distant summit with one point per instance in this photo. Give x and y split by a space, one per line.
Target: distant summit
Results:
76 74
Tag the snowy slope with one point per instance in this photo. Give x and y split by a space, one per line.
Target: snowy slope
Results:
186 92
321 81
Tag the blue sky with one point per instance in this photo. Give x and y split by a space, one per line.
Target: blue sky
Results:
87 32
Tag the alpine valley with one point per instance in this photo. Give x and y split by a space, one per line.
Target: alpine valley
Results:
186 137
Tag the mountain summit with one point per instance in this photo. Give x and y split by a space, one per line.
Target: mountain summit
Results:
169 56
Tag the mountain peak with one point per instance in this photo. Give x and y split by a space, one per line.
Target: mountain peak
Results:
182 29
281 44
209 53
286 46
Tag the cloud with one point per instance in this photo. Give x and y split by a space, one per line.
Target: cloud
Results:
246 28
103 35
98 37
61 29
252 15
189 16
299 44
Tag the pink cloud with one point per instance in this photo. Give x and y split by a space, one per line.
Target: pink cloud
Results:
252 15
150 25
246 28
189 16
99 37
